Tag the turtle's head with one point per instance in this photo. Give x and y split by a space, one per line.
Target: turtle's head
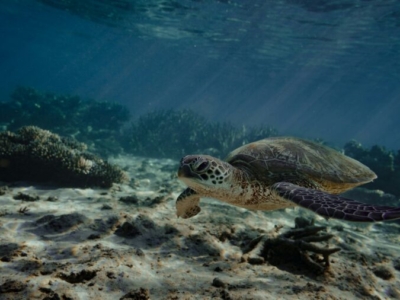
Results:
204 173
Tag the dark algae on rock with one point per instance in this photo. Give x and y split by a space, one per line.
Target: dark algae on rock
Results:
38 155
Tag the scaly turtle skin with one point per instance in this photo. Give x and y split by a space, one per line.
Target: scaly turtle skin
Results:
280 172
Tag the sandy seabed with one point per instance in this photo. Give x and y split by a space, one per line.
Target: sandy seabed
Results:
127 243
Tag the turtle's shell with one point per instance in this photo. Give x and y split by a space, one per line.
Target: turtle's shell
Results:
275 158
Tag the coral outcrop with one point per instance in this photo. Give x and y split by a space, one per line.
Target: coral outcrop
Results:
34 154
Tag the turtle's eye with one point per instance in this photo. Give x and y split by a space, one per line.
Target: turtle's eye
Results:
201 167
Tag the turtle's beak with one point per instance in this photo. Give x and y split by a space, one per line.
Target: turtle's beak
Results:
189 167
184 167
184 171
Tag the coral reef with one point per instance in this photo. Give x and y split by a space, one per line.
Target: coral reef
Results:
385 163
159 134
173 134
38 155
163 133
96 123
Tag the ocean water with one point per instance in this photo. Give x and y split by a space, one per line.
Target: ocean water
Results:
317 69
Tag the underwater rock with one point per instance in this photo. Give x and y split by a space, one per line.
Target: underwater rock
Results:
127 230
52 199
8 249
139 252
106 207
12 286
52 295
222 293
129 199
139 294
49 268
218 283
58 224
38 155
308 287
79 277
26 197
104 225
383 272
28 266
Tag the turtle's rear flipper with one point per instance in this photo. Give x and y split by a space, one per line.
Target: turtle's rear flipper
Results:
333 206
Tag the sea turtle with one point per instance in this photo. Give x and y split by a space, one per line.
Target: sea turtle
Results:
280 172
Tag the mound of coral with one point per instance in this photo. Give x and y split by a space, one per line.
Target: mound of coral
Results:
34 154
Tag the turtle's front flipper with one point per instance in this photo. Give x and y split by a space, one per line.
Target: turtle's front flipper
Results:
187 204
333 206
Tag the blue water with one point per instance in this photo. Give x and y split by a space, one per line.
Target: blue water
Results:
312 68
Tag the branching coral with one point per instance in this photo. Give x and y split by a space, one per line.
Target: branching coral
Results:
294 248
38 155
